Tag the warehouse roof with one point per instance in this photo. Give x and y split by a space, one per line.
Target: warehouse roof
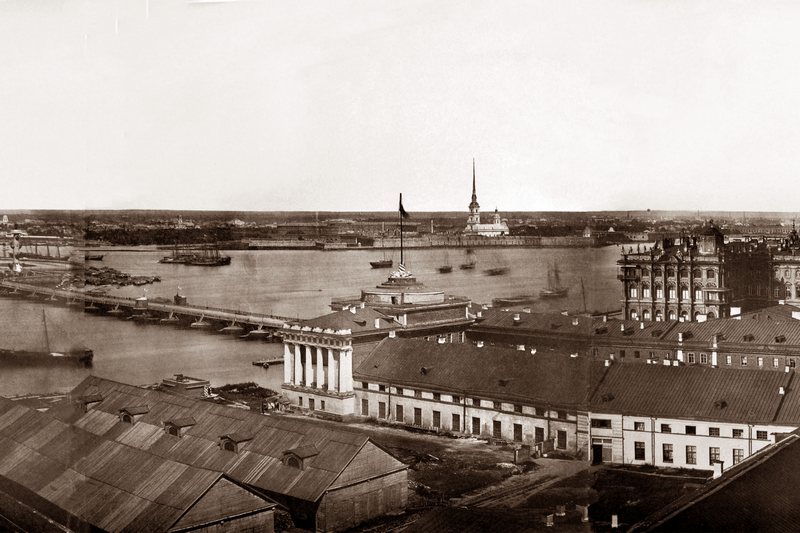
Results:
555 323
257 461
104 483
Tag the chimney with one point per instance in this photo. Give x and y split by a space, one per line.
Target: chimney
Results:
622 328
521 347
377 323
781 391
575 321
526 310
517 318
605 318
573 355
607 362
440 340
680 336
667 363
363 304
392 334
479 344
675 362
480 314
353 310
533 351
641 325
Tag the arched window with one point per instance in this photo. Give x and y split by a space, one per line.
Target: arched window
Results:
646 314
696 273
710 274
711 314
684 273
229 445
128 419
672 315
684 292
657 272
684 316
645 272
797 290
670 272
645 290
659 291
659 316
671 293
698 292
633 291
173 430
293 461
696 315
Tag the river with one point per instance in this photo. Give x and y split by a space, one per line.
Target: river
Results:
294 283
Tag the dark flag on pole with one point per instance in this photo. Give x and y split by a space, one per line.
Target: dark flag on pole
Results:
403 212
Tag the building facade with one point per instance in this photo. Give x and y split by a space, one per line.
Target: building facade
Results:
694 278
786 269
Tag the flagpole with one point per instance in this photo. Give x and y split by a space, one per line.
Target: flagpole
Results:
400 212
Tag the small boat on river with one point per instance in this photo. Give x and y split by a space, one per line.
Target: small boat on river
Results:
46 357
196 255
554 288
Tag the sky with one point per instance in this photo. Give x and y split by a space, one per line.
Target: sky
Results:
341 105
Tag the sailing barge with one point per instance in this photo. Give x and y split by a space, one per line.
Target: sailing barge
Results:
196 255
46 357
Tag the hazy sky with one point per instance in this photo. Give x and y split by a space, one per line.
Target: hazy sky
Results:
341 105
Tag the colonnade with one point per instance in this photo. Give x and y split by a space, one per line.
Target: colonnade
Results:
318 367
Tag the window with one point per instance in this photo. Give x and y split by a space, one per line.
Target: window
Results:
666 452
634 293
456 399
417 394
760 362
659 291
398 413
364 407
128 419
645 291
437 419
417 416
738 455
561 415
665 428
704 358
476 402
382 388
517 408
476 425
322 405
636 354
670 272
698 293
364 385
437 396
638 426
761 435
400 391
456 422
738 433
497 429
622 353
728 360
792 363
691 455
638 451
690 358
743 360
601 423
561 439
671 292
381 410
691 430
300 401
710 274
713 432
774 362
684 293
713 455
497 405
518 432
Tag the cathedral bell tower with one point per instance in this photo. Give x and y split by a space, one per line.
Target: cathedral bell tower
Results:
474 208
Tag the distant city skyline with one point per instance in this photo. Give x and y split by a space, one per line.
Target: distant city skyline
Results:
280 106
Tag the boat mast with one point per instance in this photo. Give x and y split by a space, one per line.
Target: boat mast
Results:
46 336
401 229
583 295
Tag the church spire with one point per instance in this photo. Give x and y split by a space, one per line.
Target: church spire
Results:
474 196
474 208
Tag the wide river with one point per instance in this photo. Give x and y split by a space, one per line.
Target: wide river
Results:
289 283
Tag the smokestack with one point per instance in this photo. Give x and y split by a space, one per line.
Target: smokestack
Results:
479 344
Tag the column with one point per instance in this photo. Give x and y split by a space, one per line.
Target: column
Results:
298 366
288 363
320 369
332 373
309 367
346 371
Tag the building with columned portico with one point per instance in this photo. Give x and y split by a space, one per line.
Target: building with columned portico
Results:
321 353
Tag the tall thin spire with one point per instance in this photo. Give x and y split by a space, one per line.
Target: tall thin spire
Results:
474 195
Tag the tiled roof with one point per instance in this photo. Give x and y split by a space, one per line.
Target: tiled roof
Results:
489 371
692 392
258 462
105 483
363 319
746 498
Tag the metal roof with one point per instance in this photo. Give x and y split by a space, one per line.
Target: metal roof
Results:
103 482
489 371
554 323
258 461
692 392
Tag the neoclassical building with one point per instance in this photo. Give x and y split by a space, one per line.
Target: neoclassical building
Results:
694 278
496 228
786 269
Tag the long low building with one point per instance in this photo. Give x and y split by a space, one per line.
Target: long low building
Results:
677 416
328 479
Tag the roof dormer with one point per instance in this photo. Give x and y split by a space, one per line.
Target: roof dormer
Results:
232 442
88 401
296 457
179 426
131 415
